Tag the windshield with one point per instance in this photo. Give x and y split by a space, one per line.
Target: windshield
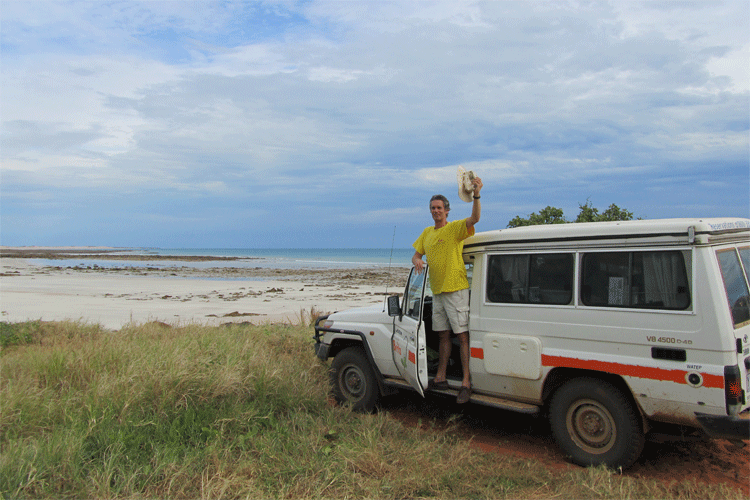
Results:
735 264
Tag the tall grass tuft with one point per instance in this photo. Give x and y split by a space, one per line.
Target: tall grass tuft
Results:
235 411
307 317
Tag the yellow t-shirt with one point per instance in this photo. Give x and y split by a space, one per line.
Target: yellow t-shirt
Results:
443 248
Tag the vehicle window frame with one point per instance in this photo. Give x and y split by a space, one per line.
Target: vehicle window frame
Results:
742 264
409 293
628 292
538 296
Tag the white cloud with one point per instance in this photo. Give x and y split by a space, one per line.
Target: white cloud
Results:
325 74
719 25
735 66
388 214
338 102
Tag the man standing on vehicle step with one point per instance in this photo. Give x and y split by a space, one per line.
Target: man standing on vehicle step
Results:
443 246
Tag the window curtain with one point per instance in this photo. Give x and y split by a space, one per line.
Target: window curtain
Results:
663 274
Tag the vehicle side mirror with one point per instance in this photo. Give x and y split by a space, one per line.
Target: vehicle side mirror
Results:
393 307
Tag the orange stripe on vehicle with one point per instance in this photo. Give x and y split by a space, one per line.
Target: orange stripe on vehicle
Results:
677 376
412 357
477 352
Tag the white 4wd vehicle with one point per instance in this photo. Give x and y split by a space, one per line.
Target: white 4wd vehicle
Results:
610 328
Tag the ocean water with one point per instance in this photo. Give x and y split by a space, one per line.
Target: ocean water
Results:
277 258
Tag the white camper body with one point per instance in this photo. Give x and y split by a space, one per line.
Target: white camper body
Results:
610 328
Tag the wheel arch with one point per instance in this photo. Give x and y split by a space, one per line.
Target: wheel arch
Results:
559 376
339 344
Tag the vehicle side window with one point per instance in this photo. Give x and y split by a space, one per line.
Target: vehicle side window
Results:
745 257
531 279
735 283
648 280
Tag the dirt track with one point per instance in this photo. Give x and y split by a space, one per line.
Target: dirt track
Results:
493 430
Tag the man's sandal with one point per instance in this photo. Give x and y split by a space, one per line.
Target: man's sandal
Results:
464 395
437 386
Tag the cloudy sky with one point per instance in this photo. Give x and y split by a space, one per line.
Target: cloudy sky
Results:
331 123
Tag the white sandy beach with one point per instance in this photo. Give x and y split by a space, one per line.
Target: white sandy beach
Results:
116 297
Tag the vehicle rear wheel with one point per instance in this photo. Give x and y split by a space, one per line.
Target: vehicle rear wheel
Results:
353 380
596 424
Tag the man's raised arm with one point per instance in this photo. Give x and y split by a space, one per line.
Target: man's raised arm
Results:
476 209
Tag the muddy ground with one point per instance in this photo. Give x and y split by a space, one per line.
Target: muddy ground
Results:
498 431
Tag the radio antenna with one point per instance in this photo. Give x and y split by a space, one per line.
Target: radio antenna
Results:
388 281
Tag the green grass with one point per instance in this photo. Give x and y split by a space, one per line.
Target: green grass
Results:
17 333
227 412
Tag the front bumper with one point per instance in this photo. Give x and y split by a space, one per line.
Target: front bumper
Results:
321 350
725 427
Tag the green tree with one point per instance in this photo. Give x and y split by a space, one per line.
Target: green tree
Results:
588 213
548 215
616 213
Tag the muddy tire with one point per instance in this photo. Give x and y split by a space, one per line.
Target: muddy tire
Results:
596 424
354 381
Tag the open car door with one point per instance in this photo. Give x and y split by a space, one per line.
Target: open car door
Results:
409 343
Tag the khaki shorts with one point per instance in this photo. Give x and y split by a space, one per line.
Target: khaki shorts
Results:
450 311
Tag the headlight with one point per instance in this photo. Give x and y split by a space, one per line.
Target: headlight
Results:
328 323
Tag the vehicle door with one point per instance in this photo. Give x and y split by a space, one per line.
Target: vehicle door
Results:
409 342
735 270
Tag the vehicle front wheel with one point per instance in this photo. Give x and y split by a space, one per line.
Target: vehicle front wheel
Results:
596 424
353 380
